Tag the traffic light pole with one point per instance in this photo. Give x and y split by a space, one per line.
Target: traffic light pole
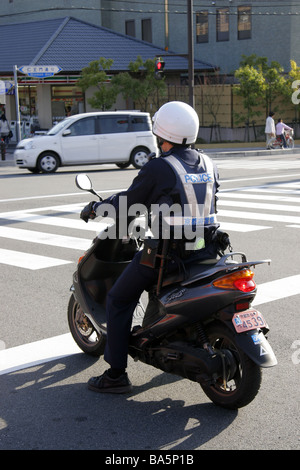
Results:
191 53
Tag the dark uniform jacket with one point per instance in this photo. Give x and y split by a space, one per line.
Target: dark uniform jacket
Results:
170 178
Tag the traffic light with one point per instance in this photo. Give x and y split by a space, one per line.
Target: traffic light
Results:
159 68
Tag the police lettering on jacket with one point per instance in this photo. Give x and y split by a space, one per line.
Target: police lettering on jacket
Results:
198 178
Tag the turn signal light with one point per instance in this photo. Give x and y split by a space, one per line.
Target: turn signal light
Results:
81 257
240 280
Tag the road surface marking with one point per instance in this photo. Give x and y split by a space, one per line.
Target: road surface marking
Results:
32 354
288 219
45 238
276 290
39 352
260 206
241 227
28 260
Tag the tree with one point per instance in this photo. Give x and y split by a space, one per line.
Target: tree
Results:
274 81
212 93
94 75
139 84
251 88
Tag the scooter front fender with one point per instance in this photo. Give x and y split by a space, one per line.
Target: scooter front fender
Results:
256 346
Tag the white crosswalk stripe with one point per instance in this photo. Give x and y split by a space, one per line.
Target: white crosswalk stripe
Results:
245 209
45 238
260 163
28 260
31 260
279 203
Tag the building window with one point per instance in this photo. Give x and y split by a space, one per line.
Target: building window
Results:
147 30
27 101
244 22
130 28
222 24
202 27
65 101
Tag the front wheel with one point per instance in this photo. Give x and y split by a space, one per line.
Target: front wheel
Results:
244 382
87 338
48 162
123 165
290 143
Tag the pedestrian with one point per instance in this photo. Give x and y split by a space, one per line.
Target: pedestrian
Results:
4 129
280 127
159 181
68 111
270 130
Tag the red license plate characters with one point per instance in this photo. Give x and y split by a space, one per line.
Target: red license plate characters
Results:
248 320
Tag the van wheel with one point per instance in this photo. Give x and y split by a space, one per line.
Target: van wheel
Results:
123 165
33 170
139 157
48 162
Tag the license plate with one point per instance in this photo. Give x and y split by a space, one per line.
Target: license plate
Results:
248 320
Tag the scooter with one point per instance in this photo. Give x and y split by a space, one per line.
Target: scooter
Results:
198 323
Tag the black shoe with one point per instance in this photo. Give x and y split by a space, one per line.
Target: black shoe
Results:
105 384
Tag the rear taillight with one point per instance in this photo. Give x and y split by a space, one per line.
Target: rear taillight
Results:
239 280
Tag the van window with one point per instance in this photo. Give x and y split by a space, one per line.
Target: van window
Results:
139 123
84 126
113 124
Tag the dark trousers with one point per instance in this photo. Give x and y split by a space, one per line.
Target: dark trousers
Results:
283 139
121 302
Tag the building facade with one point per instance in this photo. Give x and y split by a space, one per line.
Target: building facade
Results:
223 30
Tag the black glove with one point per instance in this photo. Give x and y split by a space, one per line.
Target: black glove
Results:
88 212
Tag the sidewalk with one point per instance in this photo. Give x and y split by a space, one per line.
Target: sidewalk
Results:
245 149
221 150
9 157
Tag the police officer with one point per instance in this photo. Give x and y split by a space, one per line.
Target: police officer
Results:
180 176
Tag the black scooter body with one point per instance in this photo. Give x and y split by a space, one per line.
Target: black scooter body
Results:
185 299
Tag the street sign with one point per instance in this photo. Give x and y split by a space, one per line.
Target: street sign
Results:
5 86
39 71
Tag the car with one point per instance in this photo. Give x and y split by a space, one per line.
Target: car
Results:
120 137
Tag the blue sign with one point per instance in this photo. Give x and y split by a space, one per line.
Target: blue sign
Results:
40 71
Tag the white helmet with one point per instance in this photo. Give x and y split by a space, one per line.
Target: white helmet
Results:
176 122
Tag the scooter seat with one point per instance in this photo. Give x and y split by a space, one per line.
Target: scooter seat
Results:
191 271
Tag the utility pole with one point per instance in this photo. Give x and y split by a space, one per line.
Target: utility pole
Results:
191 52
17 103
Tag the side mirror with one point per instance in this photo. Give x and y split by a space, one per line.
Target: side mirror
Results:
83 182
66 132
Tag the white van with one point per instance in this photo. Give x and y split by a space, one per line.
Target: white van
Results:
121 137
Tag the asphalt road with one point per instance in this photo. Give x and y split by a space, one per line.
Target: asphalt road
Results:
45 403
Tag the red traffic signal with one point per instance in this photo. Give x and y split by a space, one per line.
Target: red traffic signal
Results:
159 68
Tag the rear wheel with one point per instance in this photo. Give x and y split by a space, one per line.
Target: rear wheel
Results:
244 383
88 339
139 157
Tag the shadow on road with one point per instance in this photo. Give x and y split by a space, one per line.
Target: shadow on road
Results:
50 407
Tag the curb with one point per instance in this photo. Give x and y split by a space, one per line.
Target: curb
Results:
251 153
